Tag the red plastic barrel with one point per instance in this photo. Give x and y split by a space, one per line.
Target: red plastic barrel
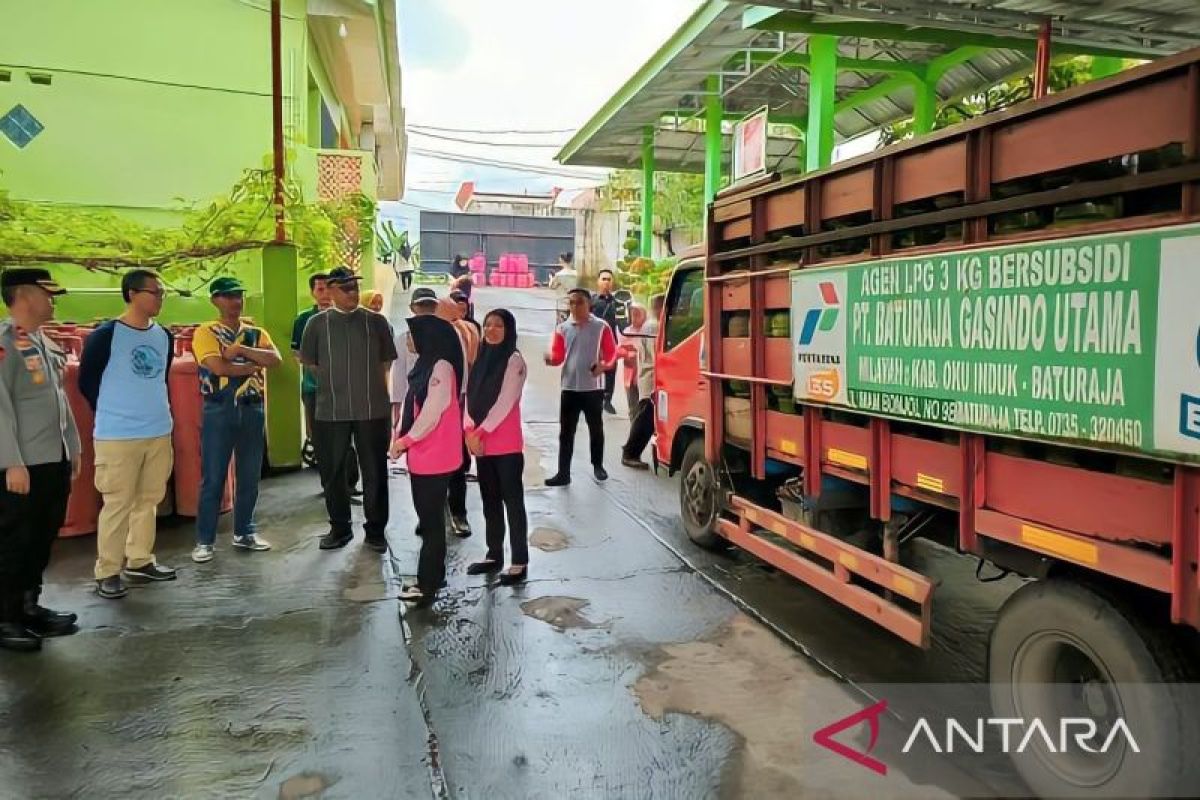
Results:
186 408
83 508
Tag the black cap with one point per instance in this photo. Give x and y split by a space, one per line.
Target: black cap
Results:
423 294
341 276
30 277
459 296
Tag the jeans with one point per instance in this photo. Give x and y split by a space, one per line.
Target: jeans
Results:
591 405
502 491
370 438
29 525
429 500
229 429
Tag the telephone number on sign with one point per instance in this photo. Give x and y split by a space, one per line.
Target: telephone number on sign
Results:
1127 432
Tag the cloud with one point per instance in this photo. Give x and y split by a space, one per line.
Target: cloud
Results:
520 64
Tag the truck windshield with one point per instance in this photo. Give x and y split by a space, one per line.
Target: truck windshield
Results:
685 306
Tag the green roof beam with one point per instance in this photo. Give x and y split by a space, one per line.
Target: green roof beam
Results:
933 73
822 99
713 111
780 21
804 61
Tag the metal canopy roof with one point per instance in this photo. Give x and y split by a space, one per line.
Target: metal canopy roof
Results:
759 50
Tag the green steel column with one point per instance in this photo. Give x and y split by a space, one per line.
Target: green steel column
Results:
712 139
1103 66
925 107
647 249
822 97
279 277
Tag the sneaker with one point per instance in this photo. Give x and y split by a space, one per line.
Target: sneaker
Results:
150 572
251 542
203 553
335 540
111 588
634 463
600 474
559 480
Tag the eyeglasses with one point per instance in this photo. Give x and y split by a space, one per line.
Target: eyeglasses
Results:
160 293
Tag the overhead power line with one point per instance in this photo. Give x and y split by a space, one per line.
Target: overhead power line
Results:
510 165
484 143
513 131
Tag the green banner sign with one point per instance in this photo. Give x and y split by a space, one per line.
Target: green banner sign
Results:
1091 340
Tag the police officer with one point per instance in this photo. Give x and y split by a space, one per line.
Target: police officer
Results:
39 457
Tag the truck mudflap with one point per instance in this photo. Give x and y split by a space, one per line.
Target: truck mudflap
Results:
902 602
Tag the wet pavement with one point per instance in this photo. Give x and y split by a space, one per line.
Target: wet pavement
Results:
631 664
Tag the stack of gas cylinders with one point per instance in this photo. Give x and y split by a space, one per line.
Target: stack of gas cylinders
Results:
478 265
513 272
186 405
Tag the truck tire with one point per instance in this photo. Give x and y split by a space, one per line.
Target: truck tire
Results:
1123 662
700 497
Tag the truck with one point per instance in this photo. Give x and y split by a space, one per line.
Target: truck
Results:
988 336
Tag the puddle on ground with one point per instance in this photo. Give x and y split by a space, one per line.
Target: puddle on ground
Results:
750 681
548 540
560 612
367 593
304 785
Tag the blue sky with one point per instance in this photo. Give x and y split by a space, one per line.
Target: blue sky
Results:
515 64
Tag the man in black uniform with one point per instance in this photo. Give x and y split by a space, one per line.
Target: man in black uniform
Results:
604 306
39 457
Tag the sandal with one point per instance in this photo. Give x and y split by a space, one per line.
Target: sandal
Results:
508 578
412 594
484 567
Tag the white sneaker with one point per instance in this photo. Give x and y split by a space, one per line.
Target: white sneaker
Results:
202 553
251 543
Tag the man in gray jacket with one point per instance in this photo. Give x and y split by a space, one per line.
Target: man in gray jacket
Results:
39 456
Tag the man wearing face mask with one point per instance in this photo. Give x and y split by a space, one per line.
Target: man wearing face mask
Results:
351 350
39 457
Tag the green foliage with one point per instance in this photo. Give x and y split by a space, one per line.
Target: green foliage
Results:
1063 75
678 201
202 244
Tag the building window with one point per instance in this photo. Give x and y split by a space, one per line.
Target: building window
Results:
329 133
20 126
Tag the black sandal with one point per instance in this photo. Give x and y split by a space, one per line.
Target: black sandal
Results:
484 567
513 578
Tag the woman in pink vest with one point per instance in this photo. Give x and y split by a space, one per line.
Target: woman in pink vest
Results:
493 431
431 432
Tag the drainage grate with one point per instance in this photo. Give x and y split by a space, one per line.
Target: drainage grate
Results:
20 126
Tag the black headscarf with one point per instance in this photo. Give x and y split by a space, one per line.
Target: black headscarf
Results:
487 376
435 340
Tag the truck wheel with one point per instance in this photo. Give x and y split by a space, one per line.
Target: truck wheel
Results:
700 497
1120 663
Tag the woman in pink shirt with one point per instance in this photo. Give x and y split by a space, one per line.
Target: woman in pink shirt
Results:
431 432
493 432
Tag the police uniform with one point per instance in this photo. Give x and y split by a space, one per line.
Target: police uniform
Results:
37 431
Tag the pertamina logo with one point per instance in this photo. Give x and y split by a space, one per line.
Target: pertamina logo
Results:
822 317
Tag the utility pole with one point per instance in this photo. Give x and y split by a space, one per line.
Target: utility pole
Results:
277 117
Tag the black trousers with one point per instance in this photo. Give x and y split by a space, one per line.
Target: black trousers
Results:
640 430
591 404
503 493
456 498
371 438
610 385
29 525
429 500
406 280
310 410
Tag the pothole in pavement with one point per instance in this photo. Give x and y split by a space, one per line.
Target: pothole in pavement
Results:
549 540
560 612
